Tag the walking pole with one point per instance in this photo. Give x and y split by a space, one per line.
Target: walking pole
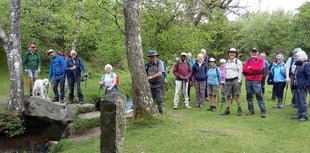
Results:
286 87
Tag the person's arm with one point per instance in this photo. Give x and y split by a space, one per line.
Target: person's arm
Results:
240 69
287 72
83 67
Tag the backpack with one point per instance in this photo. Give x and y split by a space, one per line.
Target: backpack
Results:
165 73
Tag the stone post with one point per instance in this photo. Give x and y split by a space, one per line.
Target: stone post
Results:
112 123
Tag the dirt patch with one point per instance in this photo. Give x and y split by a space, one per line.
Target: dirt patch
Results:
90 133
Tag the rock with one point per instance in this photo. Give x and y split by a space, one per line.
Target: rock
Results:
38 107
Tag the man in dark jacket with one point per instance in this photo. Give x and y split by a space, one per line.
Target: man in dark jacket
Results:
73 71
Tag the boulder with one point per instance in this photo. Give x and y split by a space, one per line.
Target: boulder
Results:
39 107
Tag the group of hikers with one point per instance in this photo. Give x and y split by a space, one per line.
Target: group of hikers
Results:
62 69
209 79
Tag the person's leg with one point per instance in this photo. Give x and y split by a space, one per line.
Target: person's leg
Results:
79 91
71 88
178 86
185 88
62 90
249 97
259 97
55 90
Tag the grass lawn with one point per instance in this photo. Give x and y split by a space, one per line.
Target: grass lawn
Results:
196 130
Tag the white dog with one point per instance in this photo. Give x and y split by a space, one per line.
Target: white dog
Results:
41 88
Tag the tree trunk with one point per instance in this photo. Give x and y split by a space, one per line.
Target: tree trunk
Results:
142 98
12 47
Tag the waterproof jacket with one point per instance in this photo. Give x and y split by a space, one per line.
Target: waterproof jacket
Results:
302 75
278 71
253 68
213 76
32 61
199 73
57 68
70 62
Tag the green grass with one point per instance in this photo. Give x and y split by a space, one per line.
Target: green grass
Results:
196 130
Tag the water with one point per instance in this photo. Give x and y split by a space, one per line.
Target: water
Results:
38 133
129 105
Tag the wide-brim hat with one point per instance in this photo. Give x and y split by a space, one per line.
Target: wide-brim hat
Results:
50 51
152 53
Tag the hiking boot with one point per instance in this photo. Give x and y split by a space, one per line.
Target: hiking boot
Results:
187 107
302 119
175 107
239 112
213 109
81 102
55 100
62 101
226 112
263 115
70 101
250 113
280 104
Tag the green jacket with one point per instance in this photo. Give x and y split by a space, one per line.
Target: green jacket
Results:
31 61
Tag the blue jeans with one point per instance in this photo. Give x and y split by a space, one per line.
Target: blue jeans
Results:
302 110
254 87
61 83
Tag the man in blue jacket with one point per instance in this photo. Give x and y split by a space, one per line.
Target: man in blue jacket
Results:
57 75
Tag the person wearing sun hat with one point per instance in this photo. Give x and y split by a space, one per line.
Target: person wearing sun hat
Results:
252 70
155 76
32 65
57 75
233 77
213 82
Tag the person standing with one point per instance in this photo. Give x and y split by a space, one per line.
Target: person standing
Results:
32 64
57 75
191 63
206 59
213 83
233 77
199 74
278 71
182 72
252 70
290 73
265 71
301 82
154 70
222 81
108 80
73 71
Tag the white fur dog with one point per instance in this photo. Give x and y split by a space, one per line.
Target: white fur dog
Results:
41 88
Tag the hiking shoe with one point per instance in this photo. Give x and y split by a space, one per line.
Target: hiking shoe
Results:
187 107
226 112
175 107
280 104
70 101
213 109
55 100
263 115
81 102
250 113
207 99
62 101
302 119
239 112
